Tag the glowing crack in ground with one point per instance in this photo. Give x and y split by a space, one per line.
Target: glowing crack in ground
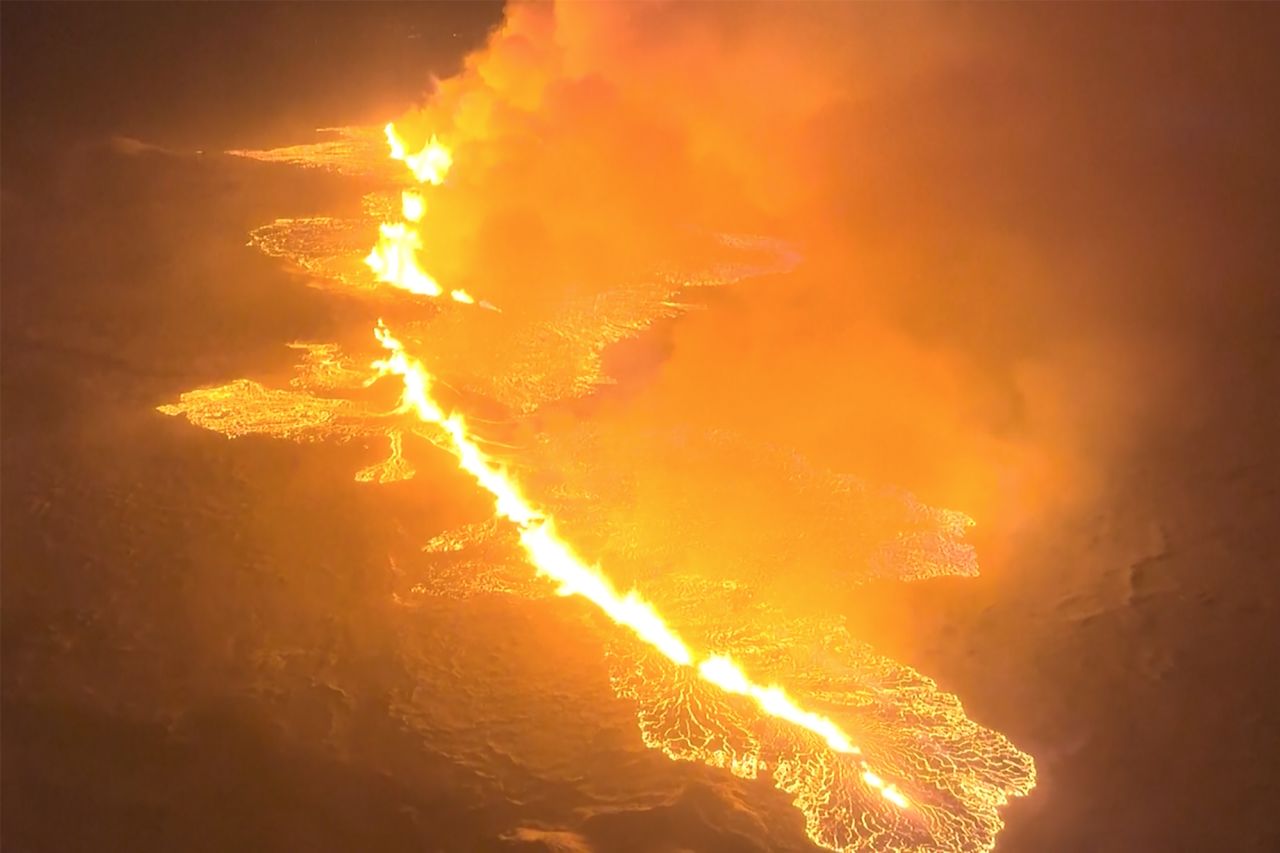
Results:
954 774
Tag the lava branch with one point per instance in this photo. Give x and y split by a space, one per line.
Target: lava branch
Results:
555 559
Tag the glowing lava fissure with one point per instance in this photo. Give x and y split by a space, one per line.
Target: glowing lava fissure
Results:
690 704
556 559
394 260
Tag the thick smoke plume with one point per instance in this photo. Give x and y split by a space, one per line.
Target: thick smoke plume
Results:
1000 285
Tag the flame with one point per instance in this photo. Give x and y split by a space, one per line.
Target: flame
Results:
429 166
554 558
394 260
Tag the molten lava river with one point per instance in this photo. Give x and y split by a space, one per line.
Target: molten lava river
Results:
687 605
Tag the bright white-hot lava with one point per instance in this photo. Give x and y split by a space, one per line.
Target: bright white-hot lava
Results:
412 206
556 559
394 260
429 165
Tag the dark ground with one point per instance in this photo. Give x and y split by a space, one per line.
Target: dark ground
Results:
1131 646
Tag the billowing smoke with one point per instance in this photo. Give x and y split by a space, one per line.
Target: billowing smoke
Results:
996 219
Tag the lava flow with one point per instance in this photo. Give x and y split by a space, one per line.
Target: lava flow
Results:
554 558
904 769
550 554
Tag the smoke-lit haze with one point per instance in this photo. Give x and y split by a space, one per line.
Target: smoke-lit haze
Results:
998 219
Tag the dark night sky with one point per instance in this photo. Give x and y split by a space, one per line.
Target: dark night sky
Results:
207 74
1184 192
